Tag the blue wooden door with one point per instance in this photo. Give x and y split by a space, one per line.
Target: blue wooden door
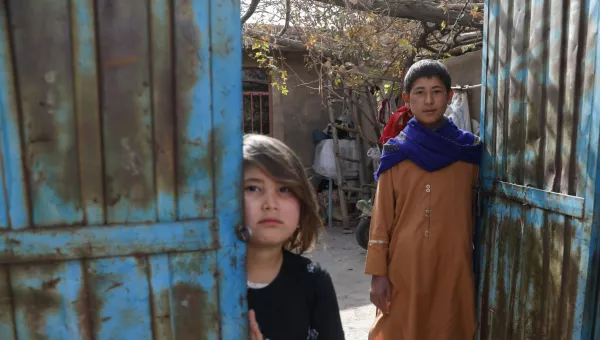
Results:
120 170
537 248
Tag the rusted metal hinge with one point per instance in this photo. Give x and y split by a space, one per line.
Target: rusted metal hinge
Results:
243 233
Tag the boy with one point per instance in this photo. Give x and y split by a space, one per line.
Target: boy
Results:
421 238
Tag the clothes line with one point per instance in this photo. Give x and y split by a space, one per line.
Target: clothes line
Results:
466 87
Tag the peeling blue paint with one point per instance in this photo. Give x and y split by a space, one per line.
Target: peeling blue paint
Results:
539 236
119 195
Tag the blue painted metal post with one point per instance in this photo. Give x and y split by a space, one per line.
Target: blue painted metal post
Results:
226 47
587 300
10 132
593 317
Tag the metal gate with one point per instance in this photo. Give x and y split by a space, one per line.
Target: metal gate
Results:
120 170
537 251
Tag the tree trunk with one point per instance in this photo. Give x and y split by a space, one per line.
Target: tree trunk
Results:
286 43
421 10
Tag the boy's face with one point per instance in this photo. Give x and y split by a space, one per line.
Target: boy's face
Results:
428 100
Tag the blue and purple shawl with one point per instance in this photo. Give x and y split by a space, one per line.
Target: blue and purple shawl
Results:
431 150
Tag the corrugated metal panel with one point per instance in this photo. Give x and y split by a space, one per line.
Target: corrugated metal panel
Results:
539 171
117 211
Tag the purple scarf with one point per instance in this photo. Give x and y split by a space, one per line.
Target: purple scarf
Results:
431 150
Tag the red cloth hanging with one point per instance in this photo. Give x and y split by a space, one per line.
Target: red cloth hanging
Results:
396 124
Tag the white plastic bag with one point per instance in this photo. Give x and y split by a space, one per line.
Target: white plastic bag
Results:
324 164
458 111
375 155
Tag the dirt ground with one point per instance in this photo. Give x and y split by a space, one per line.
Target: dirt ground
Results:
344 259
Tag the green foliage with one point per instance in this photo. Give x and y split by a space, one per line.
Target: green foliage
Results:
262 54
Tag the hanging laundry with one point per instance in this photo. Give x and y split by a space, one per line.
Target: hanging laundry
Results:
459 112
396 124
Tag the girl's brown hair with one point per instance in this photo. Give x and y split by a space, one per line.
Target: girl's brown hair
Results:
277 160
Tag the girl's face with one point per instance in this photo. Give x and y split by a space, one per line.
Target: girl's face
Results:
272 211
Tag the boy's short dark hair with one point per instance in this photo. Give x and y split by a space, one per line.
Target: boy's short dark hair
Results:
427 68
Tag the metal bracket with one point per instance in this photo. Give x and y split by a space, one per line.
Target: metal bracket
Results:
529 196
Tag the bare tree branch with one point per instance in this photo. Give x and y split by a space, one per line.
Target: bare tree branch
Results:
250 11
290 44
460 50
466 38
362 42
288 10
456 51
460 16
421 10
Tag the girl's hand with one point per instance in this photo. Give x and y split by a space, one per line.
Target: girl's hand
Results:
255 333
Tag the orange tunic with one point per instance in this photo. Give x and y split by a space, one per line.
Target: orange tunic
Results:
422 238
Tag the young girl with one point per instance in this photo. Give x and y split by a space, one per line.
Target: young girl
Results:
289 297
